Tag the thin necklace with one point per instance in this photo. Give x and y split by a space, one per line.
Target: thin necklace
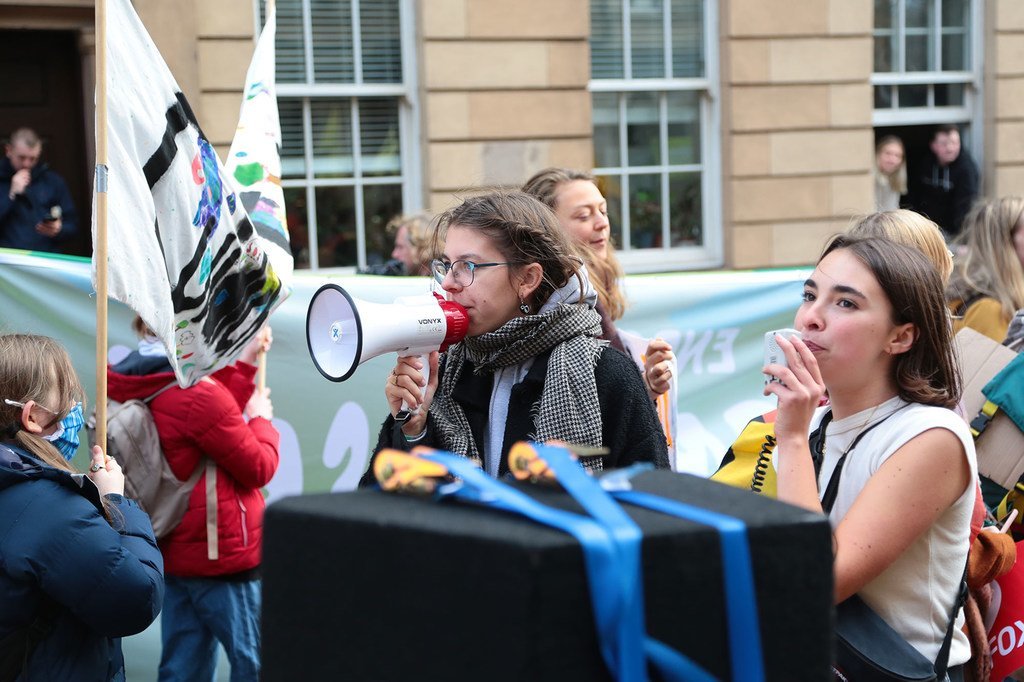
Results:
860 430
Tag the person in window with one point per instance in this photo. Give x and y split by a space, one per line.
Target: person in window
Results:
988 283
411 255
896 469
946 184
79 565
532 366
582 212
36 211
890 173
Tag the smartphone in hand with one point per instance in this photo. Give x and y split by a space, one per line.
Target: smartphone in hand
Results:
773 354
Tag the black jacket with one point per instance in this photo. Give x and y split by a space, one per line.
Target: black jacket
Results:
630 426
944 193
18 217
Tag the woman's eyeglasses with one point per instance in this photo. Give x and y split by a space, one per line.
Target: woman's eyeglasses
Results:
463 271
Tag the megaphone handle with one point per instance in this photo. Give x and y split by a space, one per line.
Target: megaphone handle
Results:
408 410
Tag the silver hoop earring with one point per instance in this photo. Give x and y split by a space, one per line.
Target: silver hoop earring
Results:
524 307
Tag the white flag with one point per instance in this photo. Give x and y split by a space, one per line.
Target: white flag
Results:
254 162
181 251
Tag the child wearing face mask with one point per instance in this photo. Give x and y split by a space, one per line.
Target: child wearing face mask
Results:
81 567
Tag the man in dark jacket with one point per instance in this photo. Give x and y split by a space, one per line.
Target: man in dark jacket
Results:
944 187
36 211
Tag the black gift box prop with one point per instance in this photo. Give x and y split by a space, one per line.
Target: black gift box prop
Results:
611 552
397 587
623 637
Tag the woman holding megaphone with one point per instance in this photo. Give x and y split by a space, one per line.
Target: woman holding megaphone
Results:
531 366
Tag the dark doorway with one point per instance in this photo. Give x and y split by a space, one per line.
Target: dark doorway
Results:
41 87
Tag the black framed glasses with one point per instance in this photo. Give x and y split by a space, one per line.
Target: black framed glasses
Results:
463 271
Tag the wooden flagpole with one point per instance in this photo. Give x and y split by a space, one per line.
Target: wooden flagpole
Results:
100 246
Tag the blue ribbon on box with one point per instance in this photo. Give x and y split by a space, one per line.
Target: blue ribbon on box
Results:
745 652
610 546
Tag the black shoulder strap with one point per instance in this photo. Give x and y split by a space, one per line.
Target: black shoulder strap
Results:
828 500
817 442
942 661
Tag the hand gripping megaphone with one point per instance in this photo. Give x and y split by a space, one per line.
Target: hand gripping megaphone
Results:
343 332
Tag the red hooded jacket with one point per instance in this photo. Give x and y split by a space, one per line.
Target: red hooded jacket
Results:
206 420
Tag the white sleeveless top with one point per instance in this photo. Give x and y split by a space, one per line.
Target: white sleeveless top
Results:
915 594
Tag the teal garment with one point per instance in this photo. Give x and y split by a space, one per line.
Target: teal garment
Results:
1006 390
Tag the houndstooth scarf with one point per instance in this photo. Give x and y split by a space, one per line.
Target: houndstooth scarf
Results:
568 404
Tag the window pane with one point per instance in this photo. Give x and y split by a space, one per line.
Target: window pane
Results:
382 43
642 129
335 226
683 128
296 212
645 211
606 129
883 54
884 13
293 160
648 36
332 138
954 13
684 218
954 53
919 13
919 57
332 41
687 38
606 39
291 60
381 203
883 97
611 188
951 95
378 136
913 96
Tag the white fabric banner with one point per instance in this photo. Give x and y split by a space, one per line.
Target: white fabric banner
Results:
181 251
254 161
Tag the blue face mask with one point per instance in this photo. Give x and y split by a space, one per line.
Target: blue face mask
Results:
65 438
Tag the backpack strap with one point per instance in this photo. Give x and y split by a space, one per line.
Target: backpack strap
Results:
212 549
170 385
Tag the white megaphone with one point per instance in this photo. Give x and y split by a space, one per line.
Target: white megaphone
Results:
343 332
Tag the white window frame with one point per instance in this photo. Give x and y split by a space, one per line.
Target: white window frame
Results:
710 253
408 129
971 112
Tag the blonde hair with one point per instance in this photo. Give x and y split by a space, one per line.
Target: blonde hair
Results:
419 227
898 178
991 266
910 229
604 273
36 368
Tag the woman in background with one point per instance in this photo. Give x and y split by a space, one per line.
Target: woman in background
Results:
890 173
582 211
988 281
